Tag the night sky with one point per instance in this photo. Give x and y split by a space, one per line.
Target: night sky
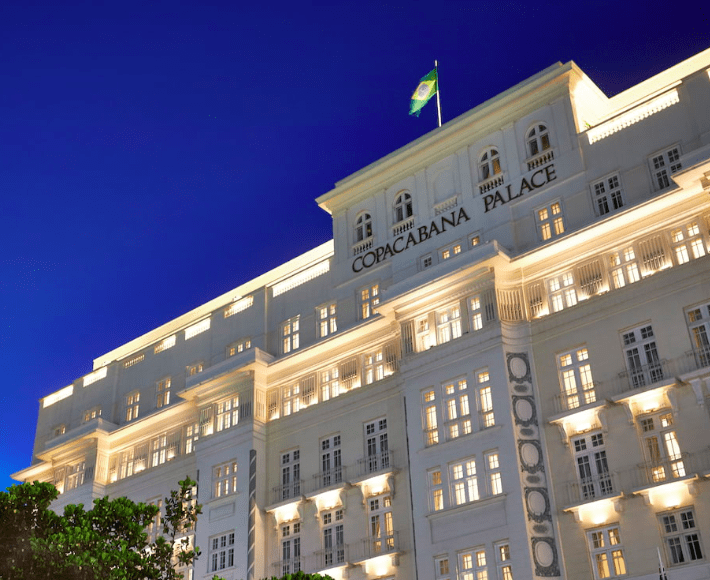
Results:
154 156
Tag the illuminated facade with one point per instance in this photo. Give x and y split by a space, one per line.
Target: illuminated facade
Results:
498 368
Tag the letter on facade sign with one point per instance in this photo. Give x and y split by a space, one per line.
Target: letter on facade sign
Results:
512 197
532 179
374 258
451 222
394 245
388 251
380 252
462 215
488 201
355 261
410 240
524 185
550 173
423 234
433 228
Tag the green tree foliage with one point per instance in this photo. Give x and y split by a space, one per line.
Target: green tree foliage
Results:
107 542
301 576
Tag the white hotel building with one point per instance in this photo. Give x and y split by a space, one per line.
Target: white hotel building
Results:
499 368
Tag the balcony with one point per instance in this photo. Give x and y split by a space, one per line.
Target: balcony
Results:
288 491
592 489
291 566
663 470
580 400
331 557
403 226
375 547
697 359
330 478
540 159
375 464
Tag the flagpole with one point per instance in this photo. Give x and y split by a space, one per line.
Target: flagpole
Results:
438 90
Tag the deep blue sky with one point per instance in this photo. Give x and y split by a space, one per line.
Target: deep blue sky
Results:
154 156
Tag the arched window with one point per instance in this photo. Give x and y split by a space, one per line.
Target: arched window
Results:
538 140
363 227
489 164
402 207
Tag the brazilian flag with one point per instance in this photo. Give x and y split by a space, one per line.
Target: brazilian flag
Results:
428 85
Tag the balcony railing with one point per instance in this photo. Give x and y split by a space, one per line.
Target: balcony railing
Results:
287 491
698 358
373 464
374 547
592 488
663 470
334 476
291 566
570 401
403 226
540 159
331 557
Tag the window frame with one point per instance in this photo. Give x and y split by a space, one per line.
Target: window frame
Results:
489 164
363 226
290 334
663 164
675 519
550 220
224 479
162 392
403 207
368 299
607 194
606 551
537 139
326 319
221 552
132 406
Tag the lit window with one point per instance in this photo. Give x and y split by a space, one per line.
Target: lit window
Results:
331 461
162 389
538 140
221 554
239 346
198 328
550 221
238 306
473 565
592 468
376 445
563 292
505 568
155 527
75 475
92 413
224 479
429 412
291 399
643 364
485 399
448 324
698 319
192 434
132 405
369 298
327 322
456 408
60 430
489 164
165 447
133 361
475 240
681 537
441 568
228 413
329 383
290 334
576 378
436 490
625 269
381 526
193 369
688 243
363 227
463 481
608 195
165 344
206 421
606 552
662 165
493 472
664 460
476 313
451 251
402 207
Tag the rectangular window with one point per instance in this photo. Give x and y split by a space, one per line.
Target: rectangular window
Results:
436 490
429 418
463 480
165 344
606 552
450 251
193 369
664 460
607 195
448 323
575 374
493 472
381 525
369 298
624 267
329 384
662 165
155 527
195 329
473 565
426 261
76 475
132 405
374 367
221 554
206 421
289 334
291 548
224 479
90 414
164 447
239 346
642 361
698 319
333 539
291 399
331 461
688 243
441 568
505 568
485 399
592 467
376 446
476 313
327 322
162 393
192 434
457 412
290 474
681 537
562 291
550 221
228 413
